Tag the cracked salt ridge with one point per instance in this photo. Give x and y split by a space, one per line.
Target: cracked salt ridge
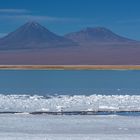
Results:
27 103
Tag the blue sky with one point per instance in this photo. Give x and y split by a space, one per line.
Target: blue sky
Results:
63 16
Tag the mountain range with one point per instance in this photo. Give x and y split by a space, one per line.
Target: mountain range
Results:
34 44
32 35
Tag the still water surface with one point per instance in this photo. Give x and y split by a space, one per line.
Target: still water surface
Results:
70 82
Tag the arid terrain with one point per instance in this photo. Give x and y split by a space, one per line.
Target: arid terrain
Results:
71 67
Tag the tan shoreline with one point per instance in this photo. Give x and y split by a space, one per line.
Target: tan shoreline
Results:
70 67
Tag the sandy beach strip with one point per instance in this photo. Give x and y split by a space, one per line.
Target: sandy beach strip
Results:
70 67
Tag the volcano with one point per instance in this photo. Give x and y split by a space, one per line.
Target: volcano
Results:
32 35
97 35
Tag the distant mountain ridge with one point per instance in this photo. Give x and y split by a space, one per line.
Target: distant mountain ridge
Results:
96 35
32 35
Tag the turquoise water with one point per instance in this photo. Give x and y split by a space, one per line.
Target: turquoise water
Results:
69 82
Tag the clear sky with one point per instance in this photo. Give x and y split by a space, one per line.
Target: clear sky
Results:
63 16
